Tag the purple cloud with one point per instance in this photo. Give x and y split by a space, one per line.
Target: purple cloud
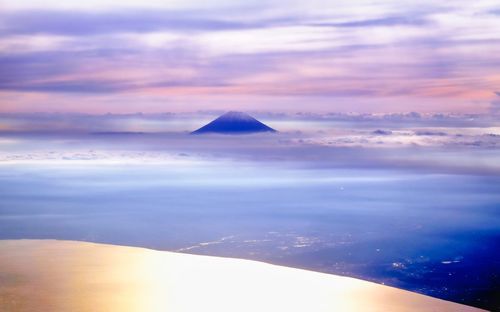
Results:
79 23
384 21
495 104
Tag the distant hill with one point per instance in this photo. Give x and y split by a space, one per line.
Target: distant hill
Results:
234 123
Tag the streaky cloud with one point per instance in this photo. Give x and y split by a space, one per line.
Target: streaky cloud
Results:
77 23
385 21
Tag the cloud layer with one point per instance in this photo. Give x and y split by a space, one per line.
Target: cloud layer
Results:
429 143
364 56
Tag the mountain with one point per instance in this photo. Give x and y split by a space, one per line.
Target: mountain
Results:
234 123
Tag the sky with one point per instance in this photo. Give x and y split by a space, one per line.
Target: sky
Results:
181 56
387 111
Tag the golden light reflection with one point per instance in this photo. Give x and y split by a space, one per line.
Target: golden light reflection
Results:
48 275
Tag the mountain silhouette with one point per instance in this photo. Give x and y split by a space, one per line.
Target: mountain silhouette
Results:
234 123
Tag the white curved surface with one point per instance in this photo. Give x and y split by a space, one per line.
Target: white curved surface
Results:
49 275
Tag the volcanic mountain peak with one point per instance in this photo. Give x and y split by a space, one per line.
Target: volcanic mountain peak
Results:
234 123
233 115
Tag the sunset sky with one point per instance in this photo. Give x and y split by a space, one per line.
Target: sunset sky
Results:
181 56
385 163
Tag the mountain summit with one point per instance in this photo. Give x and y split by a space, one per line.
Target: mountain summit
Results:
234 123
